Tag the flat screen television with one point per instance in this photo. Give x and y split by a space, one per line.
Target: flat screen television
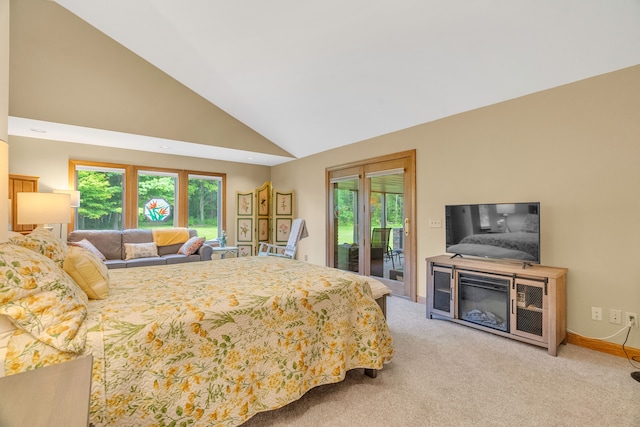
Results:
509 231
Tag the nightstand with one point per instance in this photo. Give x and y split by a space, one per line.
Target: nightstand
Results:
56 395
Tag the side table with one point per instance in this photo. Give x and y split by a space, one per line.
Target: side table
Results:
222 251
56 395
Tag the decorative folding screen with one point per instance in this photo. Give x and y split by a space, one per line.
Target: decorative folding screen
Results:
263 215
244 222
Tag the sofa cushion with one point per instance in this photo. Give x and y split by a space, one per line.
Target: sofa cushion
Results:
179 259
136 235
143 262
108 242
115 263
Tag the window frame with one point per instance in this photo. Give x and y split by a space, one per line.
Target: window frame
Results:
130 217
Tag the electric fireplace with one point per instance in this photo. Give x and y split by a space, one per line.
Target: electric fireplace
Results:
484 300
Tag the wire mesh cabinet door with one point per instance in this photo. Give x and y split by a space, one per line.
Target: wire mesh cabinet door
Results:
529 310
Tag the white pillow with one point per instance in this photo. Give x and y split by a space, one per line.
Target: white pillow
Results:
140 250
84 243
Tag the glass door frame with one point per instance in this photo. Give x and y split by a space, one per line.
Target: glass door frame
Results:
405 160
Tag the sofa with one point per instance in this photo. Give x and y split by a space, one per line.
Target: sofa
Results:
112 244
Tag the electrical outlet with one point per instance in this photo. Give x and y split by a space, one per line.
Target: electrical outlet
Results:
596 313
435 223
627 319
615 316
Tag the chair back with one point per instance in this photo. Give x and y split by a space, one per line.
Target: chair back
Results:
298 231
380 238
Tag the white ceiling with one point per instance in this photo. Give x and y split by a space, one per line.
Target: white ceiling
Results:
314 75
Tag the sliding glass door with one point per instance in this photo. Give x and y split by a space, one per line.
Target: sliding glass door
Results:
345 188
386 222
371 213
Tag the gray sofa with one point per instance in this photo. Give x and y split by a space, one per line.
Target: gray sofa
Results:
111 244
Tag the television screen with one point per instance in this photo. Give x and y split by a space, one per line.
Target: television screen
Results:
496 230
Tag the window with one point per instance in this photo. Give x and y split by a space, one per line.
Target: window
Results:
204 205
102 204
124 196
157 193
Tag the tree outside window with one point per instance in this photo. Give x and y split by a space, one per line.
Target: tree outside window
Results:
165 198
205 205
101 203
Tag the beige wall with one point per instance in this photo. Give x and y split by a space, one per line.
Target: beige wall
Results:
63 70
4 115
49 160
575 149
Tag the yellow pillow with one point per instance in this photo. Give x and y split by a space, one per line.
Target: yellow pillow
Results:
89 272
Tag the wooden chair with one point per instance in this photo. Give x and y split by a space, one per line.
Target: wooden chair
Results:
298 231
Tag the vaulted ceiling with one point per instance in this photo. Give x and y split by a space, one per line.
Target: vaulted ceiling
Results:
311 76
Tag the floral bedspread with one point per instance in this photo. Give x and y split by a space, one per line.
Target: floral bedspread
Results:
213 343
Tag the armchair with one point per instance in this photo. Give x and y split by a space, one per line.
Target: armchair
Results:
298 231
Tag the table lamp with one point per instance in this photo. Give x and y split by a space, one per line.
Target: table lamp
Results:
43 209
505 210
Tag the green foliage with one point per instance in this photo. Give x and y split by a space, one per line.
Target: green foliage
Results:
102 200
346 204
158 187
101 206
203 200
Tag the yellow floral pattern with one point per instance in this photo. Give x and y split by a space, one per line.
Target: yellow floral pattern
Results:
213 343
41 298
44 242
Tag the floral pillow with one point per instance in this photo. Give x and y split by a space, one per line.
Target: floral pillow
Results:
140 250
88 271
42 299
191 246
44 242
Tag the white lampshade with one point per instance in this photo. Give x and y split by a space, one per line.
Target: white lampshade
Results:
509 208
75 196
43 208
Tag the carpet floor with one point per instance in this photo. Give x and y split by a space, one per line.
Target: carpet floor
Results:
445 374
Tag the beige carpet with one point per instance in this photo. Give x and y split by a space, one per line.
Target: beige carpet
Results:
444 374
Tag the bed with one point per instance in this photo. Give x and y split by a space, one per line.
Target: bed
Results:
516 245
208 343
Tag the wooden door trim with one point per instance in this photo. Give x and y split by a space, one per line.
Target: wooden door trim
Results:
409 157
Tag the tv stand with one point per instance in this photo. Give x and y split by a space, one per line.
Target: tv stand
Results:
505 299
